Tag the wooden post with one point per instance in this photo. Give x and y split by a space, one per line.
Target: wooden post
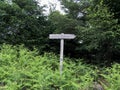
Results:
61 55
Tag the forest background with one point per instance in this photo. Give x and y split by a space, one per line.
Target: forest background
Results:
96 23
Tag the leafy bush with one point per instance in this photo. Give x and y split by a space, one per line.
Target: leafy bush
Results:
21 69
111 77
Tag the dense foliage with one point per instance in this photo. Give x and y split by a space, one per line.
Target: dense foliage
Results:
100 34
94 22
22 69
23 22
97 27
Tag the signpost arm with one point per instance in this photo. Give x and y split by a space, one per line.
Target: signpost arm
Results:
61 55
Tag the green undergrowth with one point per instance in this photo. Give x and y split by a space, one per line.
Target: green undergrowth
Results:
21 69
111 77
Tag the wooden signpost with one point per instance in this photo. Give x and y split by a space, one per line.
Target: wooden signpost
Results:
61 36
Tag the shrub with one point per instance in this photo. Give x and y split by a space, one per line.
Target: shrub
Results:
21 69
112 77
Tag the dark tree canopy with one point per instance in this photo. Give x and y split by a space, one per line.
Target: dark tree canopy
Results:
99 29
94 22
23 22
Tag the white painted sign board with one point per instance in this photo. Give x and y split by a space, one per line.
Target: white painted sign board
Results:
61 36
